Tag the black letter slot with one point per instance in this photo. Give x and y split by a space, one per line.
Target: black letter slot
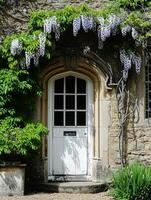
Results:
69 133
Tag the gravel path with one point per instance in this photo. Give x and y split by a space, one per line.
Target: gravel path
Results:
61 196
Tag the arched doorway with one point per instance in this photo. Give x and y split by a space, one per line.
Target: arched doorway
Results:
97 116
70 114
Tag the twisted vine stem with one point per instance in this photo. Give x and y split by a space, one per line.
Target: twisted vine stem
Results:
125 100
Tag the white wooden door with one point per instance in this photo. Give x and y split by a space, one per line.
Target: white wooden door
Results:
70 130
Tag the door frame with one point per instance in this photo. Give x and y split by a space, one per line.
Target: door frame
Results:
90 125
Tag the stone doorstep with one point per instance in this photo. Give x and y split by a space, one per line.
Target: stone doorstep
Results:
73 187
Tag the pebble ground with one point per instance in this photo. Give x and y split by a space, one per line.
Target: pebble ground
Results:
60 196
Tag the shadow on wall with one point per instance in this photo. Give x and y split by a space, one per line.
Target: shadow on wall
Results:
70 156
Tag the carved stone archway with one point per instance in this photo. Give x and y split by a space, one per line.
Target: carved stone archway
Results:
100 74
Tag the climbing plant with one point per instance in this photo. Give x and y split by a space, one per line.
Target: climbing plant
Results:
133 4
46 26
118 17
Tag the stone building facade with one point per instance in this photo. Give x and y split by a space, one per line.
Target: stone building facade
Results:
100 154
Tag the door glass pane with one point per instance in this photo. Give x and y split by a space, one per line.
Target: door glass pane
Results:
81 102
70 84
59 85
70 118
58 118
58 101
81 86
81 118
70 102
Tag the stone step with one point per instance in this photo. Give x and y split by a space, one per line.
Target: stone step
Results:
73 187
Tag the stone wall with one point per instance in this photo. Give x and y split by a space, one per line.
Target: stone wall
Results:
14 18
139 140
138 129
139 145
113 135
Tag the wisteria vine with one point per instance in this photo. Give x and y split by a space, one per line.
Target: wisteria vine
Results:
105 28
16 47
125 101
127 59
51 25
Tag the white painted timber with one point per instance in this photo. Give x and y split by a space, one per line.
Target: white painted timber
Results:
70 156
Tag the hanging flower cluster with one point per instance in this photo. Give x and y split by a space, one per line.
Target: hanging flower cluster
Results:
16 47
137 61
51 25
76 26
125 30
40 51
87 23
128 29
32 56
42 44
106 28
127 59
134 34
28 57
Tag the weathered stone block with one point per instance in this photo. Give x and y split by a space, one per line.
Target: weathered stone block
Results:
12 180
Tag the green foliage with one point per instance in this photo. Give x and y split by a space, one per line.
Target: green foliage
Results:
12 82
136 19
66 15
9 84
30 44
17 135
17 140
132 183
19 85
29 39
132 4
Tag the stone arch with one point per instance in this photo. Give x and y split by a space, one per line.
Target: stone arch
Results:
99 79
